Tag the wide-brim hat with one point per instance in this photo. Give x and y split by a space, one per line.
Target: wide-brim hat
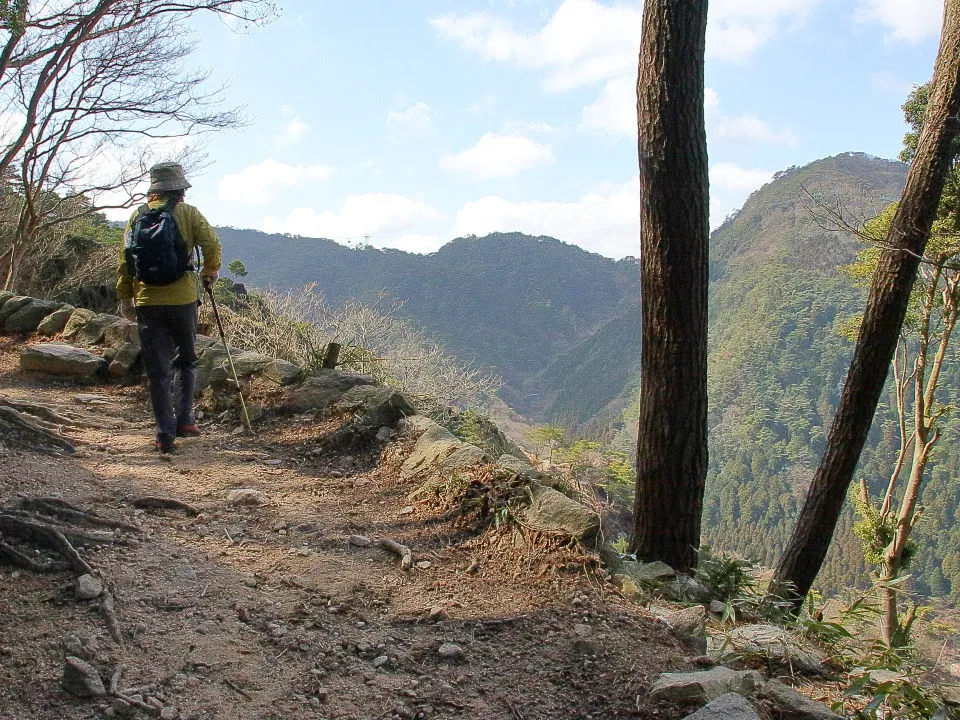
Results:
167 176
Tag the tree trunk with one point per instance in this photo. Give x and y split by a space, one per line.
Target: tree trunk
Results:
883 317
674 238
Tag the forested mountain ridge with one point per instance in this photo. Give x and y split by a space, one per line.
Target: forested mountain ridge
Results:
562 325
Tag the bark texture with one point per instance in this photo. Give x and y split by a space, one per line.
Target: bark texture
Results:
886 306
674 240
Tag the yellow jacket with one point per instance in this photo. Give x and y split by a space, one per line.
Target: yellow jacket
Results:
195 231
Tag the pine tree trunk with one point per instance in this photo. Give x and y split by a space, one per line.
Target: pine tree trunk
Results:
883 317
674 238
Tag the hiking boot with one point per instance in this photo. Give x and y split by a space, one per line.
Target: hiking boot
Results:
188 430
164 444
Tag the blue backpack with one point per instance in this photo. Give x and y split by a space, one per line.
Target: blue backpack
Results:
154 250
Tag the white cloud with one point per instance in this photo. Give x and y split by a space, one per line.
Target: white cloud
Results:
750 127
292 129
605 221
416 117
614 112
730 186
261 183
736 29
585 42
912 21
379 215
499 156
414 243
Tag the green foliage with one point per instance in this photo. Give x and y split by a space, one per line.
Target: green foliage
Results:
237 268
727 577
875 534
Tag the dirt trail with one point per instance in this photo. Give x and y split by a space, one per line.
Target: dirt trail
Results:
267 611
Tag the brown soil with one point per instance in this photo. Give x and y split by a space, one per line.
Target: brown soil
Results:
268 611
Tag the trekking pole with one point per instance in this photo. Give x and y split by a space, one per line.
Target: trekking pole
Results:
223 337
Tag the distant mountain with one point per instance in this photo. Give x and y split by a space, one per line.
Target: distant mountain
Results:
511 302
562 326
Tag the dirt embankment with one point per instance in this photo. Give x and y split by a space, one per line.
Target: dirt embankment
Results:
261 606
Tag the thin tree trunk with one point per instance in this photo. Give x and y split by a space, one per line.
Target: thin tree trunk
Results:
883 317
674 237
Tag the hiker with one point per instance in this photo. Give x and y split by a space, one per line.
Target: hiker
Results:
159 288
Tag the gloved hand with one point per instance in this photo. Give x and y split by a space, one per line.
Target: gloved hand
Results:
209 279
128 309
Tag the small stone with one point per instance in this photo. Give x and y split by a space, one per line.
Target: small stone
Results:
322 694
424 564
384 434
88 587
408 510
273 463
359 541
81 679
450 651
439 613
121 708
380 661
169 713
247 496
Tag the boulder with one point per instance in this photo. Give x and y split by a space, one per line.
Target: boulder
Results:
212 366
55 321
726 707
792 705
687 589
124 360
248 363
377 406
552 511
282 372
94 330
323 389
688 624
120 333
78 318
81 679
433 446
60 359
515 464
12 305
4 296
770 643
646 573
704 686
27 318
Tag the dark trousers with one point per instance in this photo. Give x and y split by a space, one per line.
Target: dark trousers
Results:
168 346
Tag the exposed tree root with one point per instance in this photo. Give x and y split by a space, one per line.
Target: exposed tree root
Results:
55 507
162 503
109 612
20 431
404 553
16 558
46 535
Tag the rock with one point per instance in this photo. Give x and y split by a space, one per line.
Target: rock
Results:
324 389
704 686
12 305
4 296
726 707
126 358
78 318
686 589
94 330
359 541
647 572
60 359
792 705
169 713
627 586
27 318
211 365
552 511
55 321
81 679
380 661
718 607
121 332
433 446
281 372
515 464
689 624
247 496
771 644
88 587
378 406
450 651
248 362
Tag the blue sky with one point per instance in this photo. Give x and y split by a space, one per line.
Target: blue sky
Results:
406 124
